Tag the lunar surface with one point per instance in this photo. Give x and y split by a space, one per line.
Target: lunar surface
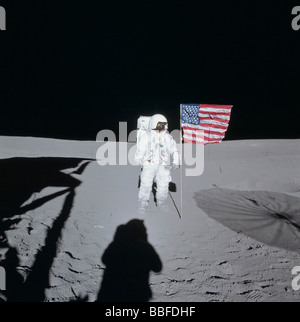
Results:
238 238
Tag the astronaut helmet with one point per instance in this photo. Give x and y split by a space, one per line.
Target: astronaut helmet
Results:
158 122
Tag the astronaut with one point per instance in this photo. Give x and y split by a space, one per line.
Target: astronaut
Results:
155 151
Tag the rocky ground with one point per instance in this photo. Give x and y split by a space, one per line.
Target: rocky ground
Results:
237 240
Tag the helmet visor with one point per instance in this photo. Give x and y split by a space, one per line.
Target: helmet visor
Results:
161 126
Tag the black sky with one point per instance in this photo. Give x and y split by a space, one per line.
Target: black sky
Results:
70 69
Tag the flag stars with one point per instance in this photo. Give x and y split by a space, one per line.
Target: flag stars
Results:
190 114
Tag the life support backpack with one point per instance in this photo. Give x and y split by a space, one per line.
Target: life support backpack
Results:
142 127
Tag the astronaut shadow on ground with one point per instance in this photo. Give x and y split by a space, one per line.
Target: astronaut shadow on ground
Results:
272 218
129 259
22 177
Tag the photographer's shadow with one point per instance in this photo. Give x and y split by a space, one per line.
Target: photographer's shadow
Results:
129 260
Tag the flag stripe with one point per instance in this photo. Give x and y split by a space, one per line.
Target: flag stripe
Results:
214 113
204 129
206 135
209 119
215 126
216 118
216 106
209 109
216 122
196 138
204 132
199 142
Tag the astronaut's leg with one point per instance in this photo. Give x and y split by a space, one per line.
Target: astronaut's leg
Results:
163 178
147 177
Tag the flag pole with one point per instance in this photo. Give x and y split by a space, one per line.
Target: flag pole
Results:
175 205
181 163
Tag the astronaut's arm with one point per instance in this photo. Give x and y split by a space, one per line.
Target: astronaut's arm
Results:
175 154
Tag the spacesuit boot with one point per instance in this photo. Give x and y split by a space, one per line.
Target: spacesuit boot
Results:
163 206
143 206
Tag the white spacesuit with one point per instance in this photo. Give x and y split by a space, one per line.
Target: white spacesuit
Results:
155 150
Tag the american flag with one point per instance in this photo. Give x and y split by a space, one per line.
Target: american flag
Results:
204 123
